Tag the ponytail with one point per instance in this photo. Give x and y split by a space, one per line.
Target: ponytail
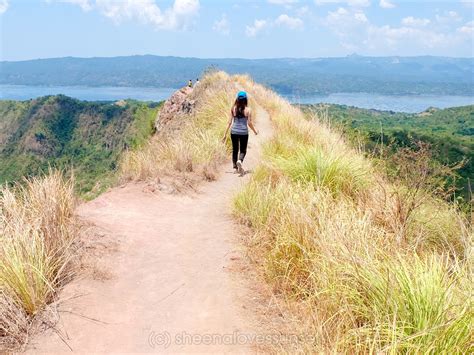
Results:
238 109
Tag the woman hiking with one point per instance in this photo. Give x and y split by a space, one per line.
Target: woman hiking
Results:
240 119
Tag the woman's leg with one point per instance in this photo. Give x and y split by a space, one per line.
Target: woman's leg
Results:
243 146
235 149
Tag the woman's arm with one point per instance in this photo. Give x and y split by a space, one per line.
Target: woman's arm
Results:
250 122
231 117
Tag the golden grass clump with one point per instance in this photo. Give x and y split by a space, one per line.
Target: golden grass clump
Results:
197 146
38 233
338 242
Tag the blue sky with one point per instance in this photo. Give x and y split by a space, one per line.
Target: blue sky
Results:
235 28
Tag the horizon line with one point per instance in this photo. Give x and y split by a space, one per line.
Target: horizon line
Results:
236 58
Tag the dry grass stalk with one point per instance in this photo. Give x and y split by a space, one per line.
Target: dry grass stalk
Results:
38 231
378 265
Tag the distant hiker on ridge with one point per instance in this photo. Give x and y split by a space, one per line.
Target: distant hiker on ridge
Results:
190 83
240 119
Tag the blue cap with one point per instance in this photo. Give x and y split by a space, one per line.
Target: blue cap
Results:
242 95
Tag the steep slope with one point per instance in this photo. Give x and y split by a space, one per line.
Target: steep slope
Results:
368 261
360 261
449 132
62 132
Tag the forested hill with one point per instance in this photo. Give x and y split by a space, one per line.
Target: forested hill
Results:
450 132
62 132
388 75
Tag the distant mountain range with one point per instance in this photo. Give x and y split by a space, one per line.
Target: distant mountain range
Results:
385 75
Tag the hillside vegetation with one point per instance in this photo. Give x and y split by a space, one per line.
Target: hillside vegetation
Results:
39 230
299 76
367 264
38 235
195 149
65 133
449 132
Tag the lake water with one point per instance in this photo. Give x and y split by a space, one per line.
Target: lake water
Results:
22 92
400 103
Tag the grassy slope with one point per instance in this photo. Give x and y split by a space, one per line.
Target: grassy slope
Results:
62 132
367 265
38 230
328 233
450 132
196 149
37 243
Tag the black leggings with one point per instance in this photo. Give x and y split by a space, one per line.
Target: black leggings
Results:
239 140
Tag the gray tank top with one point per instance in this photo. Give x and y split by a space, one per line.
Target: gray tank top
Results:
240 126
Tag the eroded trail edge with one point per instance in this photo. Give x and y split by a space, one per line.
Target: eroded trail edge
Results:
173 279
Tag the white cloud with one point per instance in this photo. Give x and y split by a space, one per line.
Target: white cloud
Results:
343 19
411 21
359 16
393 37
283 20
177 17
349 25
354 3
386 4
448 17
83 4
282 2
355 32
222 26
3 6
467 29
258 25
288 21
468 3
302 11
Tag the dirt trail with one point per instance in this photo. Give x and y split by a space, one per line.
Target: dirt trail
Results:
170 275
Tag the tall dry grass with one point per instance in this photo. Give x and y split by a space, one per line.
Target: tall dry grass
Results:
38 230
197 146
334 241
